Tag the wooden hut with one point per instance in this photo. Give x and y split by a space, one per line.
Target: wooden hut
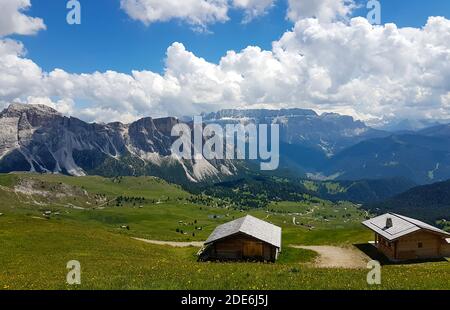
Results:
247 238
402 238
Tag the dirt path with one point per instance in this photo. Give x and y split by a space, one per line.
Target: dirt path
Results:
172 243
337 257
329 256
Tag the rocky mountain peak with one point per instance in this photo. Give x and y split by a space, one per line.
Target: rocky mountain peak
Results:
258 113
30 115
17 109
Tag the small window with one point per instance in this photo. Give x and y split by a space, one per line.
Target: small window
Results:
420 245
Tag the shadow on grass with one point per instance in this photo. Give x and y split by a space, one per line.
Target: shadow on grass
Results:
374 254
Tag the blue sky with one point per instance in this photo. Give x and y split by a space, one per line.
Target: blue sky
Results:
108 39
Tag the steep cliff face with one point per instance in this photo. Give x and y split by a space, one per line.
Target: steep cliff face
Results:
38 138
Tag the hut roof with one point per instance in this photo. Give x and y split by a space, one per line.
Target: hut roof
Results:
401 226
251 226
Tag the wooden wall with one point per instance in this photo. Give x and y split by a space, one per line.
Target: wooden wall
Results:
445 249
418 245
383 246
241 246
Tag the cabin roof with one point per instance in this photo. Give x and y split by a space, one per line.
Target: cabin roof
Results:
401 226
251 226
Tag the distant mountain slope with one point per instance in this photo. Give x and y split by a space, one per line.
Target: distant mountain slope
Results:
360 191
411 125
258 191
420 158
436 131
428 202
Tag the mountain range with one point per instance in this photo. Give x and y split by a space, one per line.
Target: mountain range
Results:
38 138
337 147
328 146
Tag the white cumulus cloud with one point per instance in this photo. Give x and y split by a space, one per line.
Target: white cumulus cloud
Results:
198 13
195 12
253 8
14 21
324 10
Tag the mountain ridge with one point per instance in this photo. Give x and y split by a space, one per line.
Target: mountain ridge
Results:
328 146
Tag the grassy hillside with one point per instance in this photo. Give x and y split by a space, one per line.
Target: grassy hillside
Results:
35 253
155 209
259 191
86 219
362 191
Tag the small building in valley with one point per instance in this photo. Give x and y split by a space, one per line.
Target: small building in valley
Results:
246 238
402 238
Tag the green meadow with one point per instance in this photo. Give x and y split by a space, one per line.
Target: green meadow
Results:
48 220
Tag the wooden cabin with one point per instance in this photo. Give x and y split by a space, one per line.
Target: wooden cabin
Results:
247 238
402 238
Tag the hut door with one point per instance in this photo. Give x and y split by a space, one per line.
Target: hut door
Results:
253 249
